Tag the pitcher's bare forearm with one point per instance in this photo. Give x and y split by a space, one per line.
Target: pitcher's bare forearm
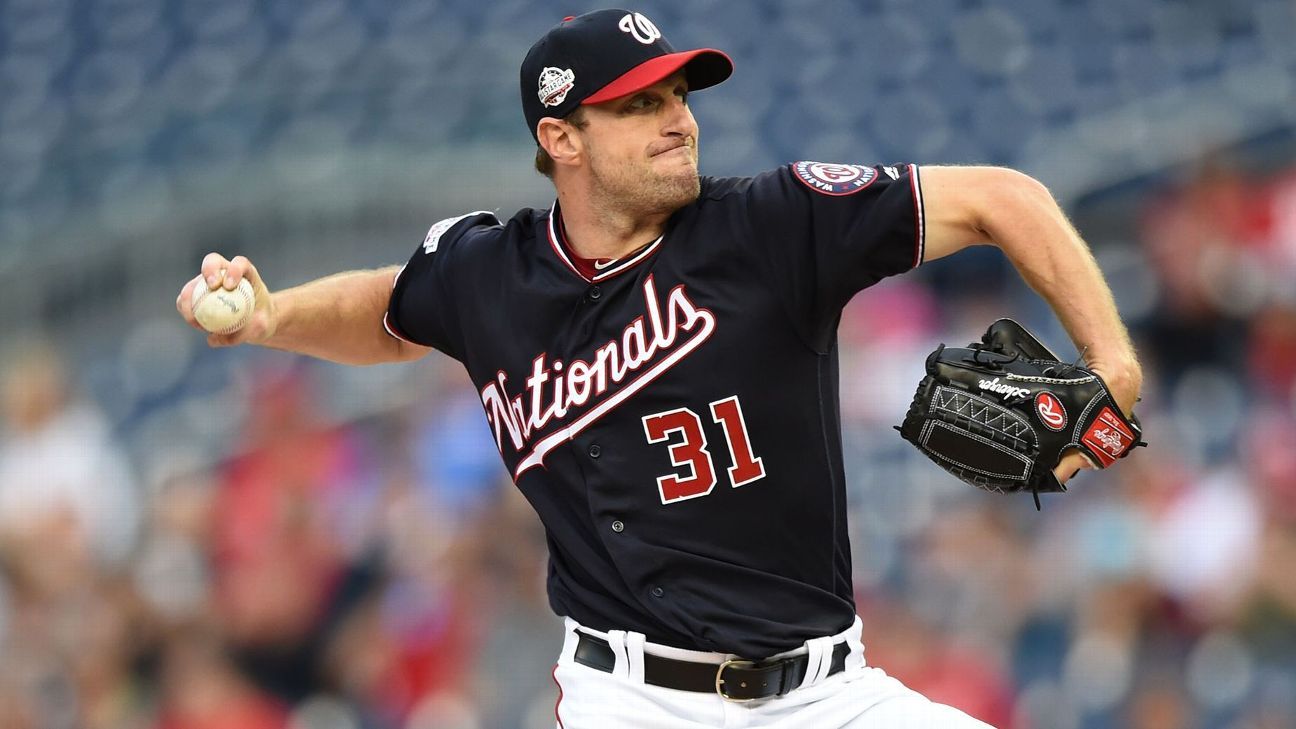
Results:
340 318
1054 260
337 318
1020 216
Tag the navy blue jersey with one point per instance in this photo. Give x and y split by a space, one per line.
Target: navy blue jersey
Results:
674 418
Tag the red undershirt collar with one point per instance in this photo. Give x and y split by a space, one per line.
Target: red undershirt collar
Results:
590 268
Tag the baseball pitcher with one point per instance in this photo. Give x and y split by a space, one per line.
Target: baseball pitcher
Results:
656 355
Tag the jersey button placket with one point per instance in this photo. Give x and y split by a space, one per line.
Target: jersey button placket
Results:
595 451
594 293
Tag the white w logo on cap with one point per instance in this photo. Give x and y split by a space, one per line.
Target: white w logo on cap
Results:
640 27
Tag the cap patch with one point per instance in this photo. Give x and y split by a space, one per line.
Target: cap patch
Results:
554 85
832 178
640 28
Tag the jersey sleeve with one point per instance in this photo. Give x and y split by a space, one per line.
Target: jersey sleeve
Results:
422 305
823 232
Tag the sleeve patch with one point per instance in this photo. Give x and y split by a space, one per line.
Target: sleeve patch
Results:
439 229
832 178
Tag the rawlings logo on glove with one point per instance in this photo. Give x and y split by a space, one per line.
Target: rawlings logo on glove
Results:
978 413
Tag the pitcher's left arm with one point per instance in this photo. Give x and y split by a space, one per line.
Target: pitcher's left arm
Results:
966 206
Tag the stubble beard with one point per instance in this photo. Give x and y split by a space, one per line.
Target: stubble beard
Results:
635 190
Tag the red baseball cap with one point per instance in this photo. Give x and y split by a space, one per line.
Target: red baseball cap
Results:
603 55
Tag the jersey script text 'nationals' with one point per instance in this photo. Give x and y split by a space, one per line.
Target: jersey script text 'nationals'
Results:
672 415
644 350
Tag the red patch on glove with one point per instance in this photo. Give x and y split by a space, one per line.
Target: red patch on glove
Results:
1108 437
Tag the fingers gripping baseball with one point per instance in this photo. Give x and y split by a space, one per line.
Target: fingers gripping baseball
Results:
218 273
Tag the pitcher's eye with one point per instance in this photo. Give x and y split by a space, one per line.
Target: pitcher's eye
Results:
641 102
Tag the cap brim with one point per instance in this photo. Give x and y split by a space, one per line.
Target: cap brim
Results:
703 67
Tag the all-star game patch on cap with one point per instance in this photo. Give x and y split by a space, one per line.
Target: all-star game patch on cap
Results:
603 55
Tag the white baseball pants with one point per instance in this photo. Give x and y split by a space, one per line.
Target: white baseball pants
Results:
860 697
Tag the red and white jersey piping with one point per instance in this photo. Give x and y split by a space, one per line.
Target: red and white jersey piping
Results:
920 218
559 242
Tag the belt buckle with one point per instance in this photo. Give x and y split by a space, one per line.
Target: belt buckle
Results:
739 662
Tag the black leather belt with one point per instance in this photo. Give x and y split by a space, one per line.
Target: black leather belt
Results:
736 680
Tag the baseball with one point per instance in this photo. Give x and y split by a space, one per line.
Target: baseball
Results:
220 311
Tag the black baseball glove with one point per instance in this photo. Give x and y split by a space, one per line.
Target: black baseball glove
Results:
1001 413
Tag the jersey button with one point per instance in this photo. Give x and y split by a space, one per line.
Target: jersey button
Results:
658 592
595 292
618 526
595 451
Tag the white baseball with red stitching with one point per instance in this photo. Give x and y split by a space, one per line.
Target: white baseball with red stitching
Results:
221 311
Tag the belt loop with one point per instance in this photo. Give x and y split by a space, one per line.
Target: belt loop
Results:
634 648
570 638
819 660
617 641
855 660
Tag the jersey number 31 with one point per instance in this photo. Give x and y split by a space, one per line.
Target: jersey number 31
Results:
689 451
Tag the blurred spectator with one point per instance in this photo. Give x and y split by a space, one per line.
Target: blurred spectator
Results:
278 564
932 662
1272 352
1203 547
64 483
202 690
172 573
1159 704
522 632
1202 234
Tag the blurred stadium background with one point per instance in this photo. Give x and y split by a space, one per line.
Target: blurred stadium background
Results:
240 539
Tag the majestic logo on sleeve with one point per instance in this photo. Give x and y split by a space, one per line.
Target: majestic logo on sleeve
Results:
648 346
834 179
438 229
554 85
